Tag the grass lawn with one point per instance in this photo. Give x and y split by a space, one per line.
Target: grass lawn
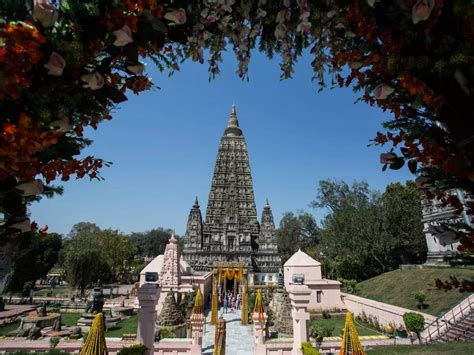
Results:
127 326
5 329
54 292
429 349
338 324
70 319
398 287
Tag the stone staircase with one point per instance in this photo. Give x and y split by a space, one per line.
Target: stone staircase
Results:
455 325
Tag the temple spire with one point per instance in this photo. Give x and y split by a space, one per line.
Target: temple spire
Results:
233 122
233 128
196 203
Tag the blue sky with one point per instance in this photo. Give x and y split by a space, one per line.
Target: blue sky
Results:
163 145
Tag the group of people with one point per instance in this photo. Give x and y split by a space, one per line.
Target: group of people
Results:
229 301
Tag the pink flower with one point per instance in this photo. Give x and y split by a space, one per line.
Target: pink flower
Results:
94 81
136 69
55 65
123 36
62 125
387 158
177 16
421 11
44 12
30 188
23 226
383 91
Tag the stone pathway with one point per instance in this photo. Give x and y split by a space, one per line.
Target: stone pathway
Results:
239 338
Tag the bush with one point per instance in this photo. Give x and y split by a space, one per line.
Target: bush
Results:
420 297
414 322
135 349
54 341
308 349
325 313
166 333
318 332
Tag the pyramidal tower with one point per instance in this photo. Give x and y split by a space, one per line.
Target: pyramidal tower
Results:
231 231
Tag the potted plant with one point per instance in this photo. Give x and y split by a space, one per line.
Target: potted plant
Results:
401 332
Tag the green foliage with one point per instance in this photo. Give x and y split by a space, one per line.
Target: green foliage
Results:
366 233
325 313
308 349
296 232
420 297
318 331
166 333
36 255
152 242
349 286
414 322
93 254
54 341
135 349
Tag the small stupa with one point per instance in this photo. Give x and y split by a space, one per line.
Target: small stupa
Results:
170 314
283 321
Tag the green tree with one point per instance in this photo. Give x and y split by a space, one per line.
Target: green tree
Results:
296 232
366 233
36 255
152 242
414 322
83 261
92 254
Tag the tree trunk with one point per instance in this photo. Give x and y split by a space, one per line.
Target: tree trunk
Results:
8 248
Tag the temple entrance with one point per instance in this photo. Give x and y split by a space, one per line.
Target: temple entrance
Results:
229 279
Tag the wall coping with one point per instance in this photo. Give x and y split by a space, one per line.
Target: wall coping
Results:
400 311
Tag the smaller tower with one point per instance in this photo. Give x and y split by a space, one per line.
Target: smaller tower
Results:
193 236
267 238
170 274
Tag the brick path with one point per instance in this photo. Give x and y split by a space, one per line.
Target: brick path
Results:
239 338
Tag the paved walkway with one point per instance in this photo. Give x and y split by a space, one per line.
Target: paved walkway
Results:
239 338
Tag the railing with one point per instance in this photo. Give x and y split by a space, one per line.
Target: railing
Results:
441 326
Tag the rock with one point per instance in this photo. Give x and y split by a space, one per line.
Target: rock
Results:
34 333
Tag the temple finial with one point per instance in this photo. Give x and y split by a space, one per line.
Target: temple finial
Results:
196 202
266 203
233 122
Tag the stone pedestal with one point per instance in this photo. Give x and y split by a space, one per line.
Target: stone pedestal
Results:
259 334
147 295
197 332
299 298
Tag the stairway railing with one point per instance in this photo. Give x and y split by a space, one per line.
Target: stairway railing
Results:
440 326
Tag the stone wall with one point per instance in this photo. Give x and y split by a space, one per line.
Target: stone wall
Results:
171 347
385 313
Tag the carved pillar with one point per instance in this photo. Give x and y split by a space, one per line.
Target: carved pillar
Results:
197 331
259 333
147 295
299 297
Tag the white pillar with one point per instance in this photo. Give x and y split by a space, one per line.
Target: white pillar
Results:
299 297
147 295
259 334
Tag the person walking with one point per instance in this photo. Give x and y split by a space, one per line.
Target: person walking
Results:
225 303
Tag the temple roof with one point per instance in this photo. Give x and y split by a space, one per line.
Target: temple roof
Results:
300 258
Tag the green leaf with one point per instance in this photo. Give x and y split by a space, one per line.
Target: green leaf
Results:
397 164
158 25
115 95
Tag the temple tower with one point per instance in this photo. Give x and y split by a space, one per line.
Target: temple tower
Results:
231 231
